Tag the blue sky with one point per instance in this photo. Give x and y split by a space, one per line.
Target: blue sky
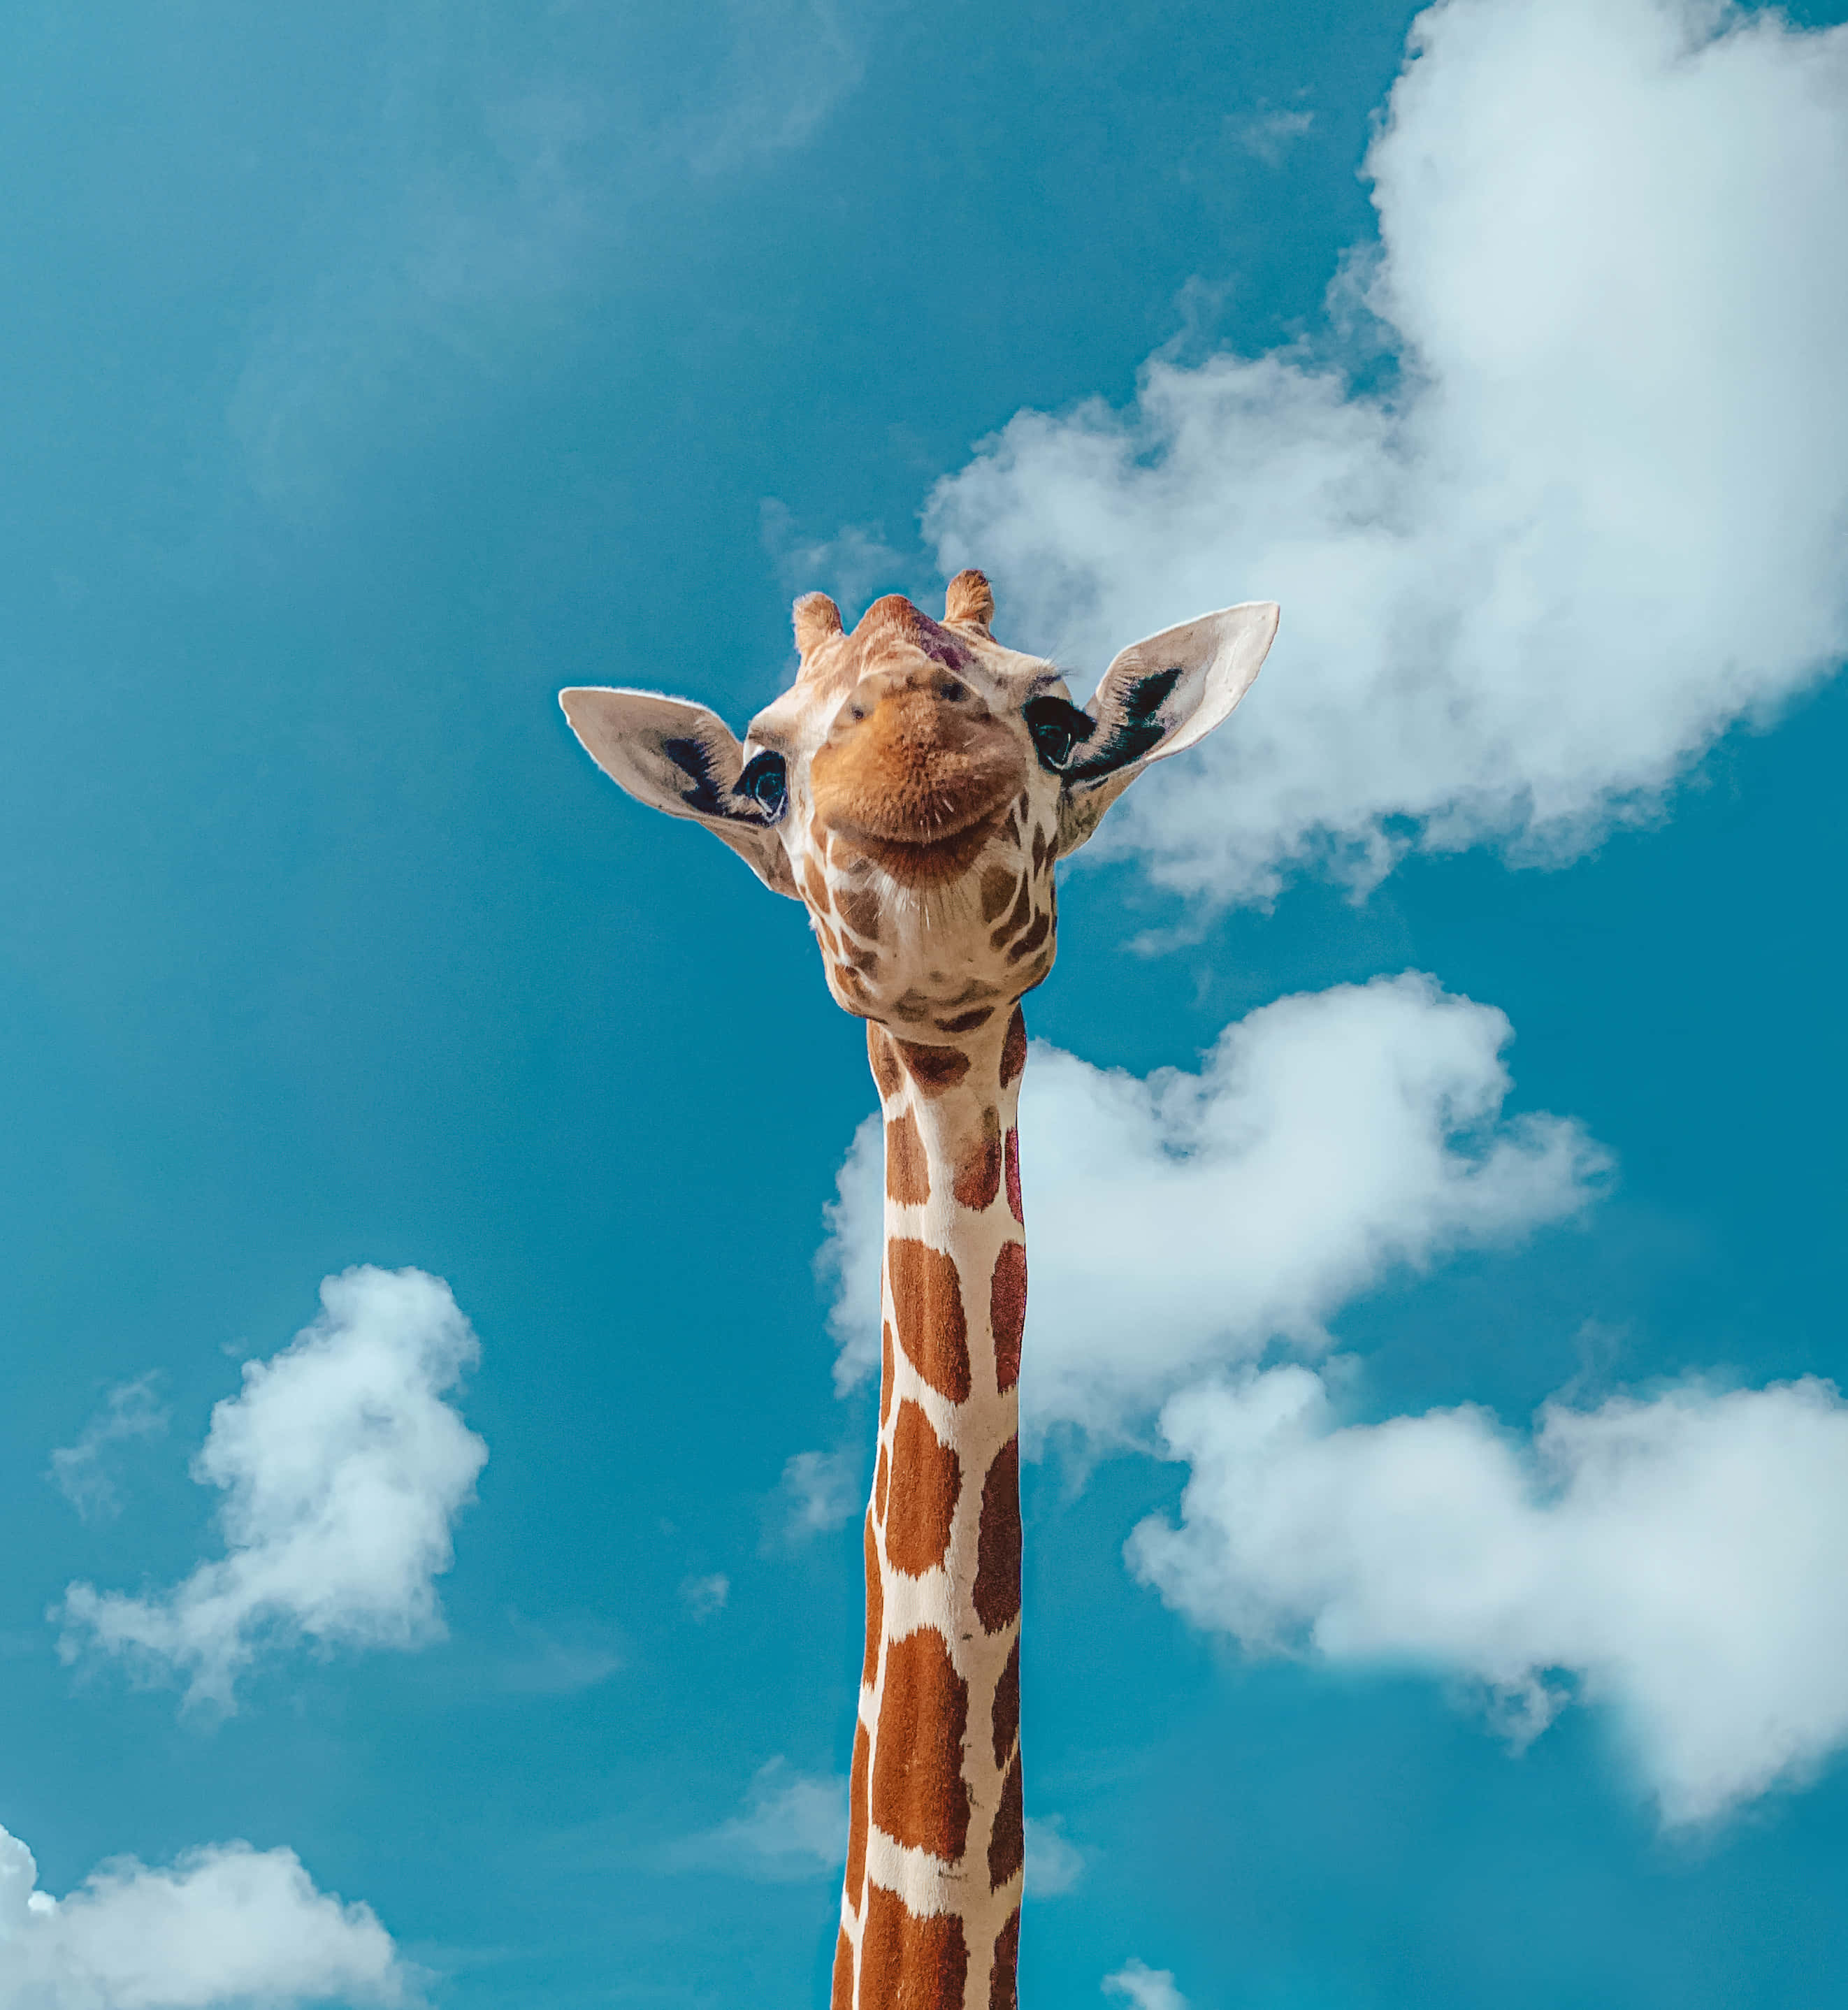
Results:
1434 1580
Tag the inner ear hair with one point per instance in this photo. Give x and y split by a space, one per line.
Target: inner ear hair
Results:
1129 724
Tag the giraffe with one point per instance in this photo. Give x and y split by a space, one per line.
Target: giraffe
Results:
914 788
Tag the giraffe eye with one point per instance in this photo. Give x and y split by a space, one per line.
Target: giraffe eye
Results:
765 781
1057 728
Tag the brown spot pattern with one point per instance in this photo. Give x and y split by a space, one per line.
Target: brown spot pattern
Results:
859 909
998 888
841 1996
997 1543
1031 940
1006 1719
1014 1049
1007 1311
919 1796
879 1487
888 1077
856 1820
1042 849
933 1069
885 1372
926 1478
1004 1977
908 1171
1016 916
876 1608
1012 1156
907 1963
816 886
1007 1843
927 1302
966 1022
978 1178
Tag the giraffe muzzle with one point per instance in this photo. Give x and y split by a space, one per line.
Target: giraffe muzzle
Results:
916 771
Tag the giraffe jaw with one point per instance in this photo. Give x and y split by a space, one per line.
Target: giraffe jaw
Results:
935 862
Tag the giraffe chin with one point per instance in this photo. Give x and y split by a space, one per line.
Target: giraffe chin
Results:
935 863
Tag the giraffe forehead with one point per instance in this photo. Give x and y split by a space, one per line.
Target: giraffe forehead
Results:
798 720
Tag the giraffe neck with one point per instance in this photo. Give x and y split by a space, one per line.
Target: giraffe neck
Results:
930 1915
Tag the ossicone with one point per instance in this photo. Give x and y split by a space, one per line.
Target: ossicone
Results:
969 601
816 618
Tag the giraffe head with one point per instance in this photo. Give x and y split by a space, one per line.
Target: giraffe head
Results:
916 783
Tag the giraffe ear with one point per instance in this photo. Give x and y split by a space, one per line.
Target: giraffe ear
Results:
1158 696
681 759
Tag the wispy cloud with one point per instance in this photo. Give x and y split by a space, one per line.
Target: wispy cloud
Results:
789 63
1592 519
81 1470
855 566
1054 1863
560 1657
220 1928
1329 1140
818 1493
1270 135
793 1825
343 1469
1677 1557
1145 1988
705 1597
439 264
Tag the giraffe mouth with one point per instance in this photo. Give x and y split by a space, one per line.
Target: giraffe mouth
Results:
919 794
932 861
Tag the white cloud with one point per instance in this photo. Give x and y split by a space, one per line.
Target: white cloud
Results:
343 1469
1599 517
228 1925
1680 1557
1268 135
1054 1864
793 1825
1144 1988
856 565
435 268
561 1657
1187 1220
81 1470
791 62
819 1491
703 1596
